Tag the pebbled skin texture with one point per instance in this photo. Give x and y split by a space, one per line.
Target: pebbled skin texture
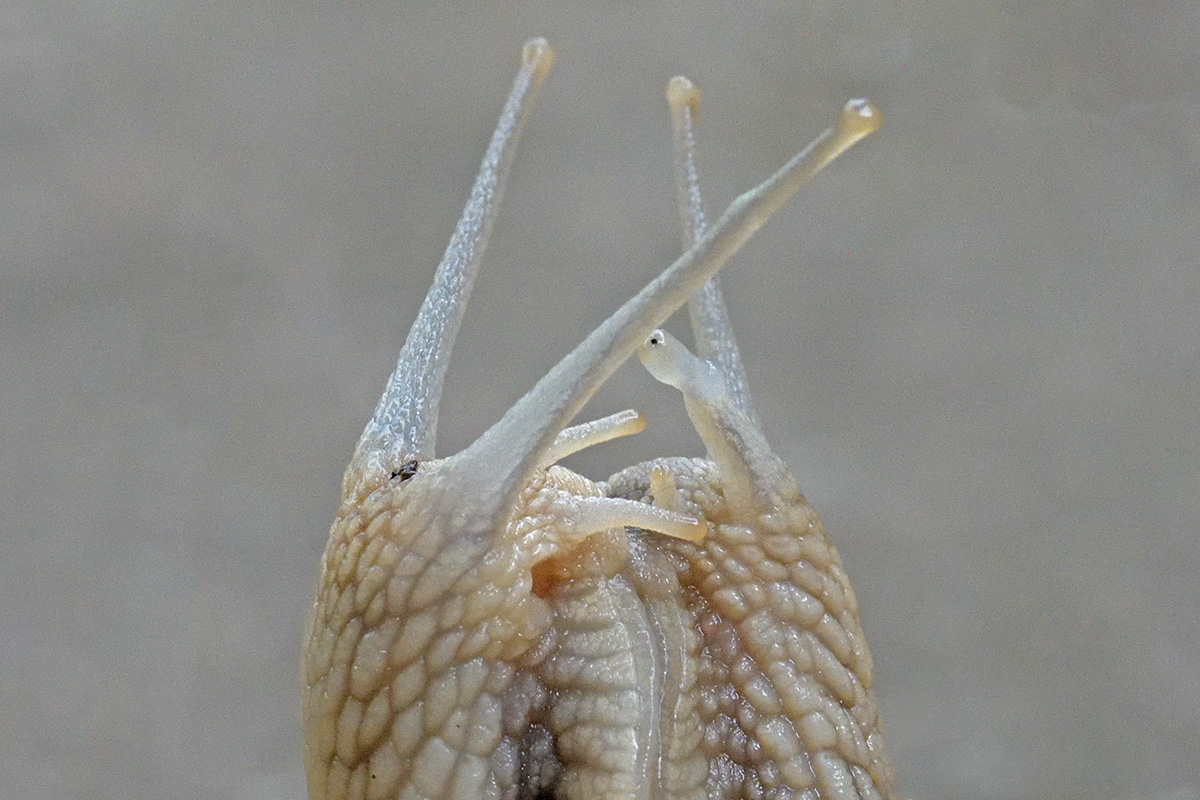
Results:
626 665
782 691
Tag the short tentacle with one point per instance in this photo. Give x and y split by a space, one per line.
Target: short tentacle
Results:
404 426
584 435
595 514
663 488
500 461
711 327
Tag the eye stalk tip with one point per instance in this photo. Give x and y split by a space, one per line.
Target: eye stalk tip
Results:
681 92
859 118
537 55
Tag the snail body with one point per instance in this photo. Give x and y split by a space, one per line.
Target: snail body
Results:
493 625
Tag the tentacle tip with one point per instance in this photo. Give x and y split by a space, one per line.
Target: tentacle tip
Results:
691 529
681 93
537 55
859 118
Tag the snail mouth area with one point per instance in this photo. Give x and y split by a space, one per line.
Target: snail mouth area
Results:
734 664
631 664
661 671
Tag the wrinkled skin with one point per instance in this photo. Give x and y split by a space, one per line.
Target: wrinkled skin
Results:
631 665
491 625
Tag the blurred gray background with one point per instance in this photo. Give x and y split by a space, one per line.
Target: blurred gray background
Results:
976 340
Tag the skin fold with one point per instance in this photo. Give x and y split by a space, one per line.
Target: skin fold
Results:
493 625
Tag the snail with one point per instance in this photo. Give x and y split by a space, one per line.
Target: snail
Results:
492 625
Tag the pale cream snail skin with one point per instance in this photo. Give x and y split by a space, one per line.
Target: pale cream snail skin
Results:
492 625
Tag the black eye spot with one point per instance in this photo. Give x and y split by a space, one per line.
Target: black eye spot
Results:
406 471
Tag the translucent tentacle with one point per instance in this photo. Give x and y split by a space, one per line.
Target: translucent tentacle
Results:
711 328
751 473
501 460
587 434
404 426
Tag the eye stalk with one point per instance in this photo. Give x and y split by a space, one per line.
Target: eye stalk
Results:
404 426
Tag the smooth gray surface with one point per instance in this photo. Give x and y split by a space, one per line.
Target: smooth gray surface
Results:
976 340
